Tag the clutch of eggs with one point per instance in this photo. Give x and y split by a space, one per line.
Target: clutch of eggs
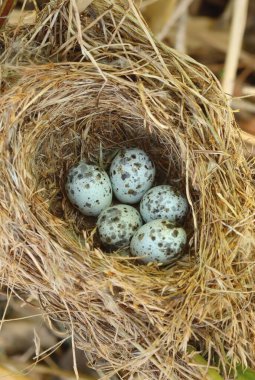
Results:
132 174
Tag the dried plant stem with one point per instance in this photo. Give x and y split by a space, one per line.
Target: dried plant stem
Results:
250 139
5 10
227 14
235 43
180 9
248 90
16 371
146 3
244 105
180 41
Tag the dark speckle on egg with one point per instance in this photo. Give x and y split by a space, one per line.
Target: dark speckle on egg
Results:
70 178
125 176
167 224
169 252
175 233
111 210
88 174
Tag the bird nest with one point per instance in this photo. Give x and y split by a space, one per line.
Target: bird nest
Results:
129 91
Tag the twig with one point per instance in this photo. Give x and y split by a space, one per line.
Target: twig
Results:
196 7
248 138
15 368
216 40
181 33
248 90
182 7
83 4
146 3
243 105
227 14
234 48
5 10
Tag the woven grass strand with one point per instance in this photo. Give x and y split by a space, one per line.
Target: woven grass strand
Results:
120 87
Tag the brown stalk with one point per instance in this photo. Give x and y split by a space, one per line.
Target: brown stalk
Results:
5 10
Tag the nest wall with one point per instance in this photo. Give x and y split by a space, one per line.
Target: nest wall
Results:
128 91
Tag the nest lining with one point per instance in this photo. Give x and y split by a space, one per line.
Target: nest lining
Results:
138 319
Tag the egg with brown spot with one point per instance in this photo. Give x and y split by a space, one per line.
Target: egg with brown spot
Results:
117 224
88 187
132 173
158 241
164 202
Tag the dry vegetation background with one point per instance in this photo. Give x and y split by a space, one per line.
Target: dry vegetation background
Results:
200 28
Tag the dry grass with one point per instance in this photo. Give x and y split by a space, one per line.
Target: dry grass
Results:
126 90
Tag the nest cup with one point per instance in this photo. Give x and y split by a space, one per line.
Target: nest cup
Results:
130 318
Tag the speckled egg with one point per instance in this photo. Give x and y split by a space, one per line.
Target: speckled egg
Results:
163 202
158 241
117 225
89 188
132 173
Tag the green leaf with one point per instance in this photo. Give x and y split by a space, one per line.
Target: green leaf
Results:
245 373
212 373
